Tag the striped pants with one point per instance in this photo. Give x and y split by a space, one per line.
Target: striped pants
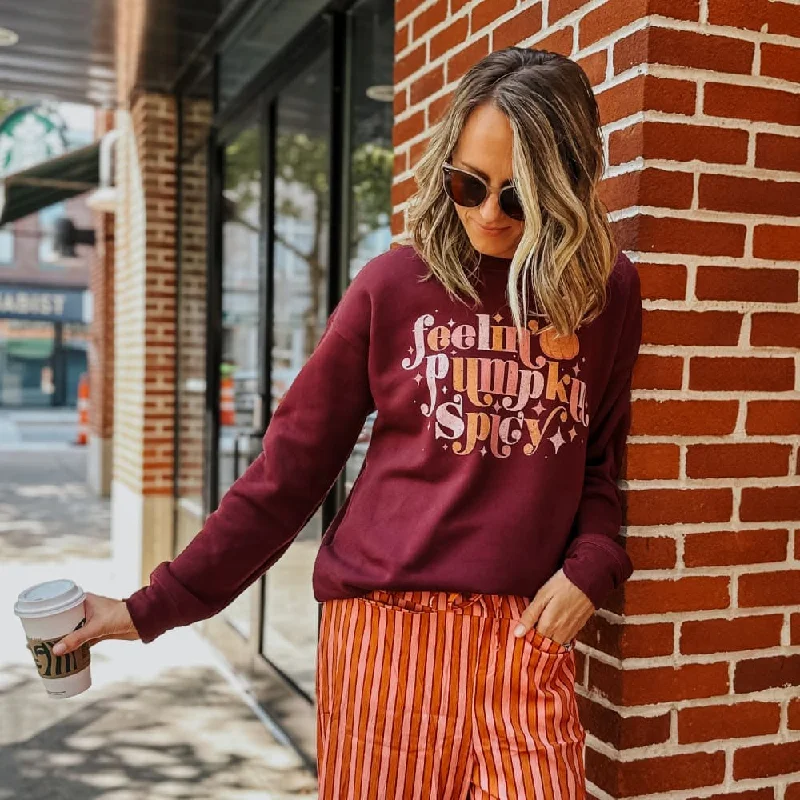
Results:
428 695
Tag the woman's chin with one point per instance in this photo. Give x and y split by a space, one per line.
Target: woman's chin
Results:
493 248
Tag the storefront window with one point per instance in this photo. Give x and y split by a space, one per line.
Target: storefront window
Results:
41 362
26 363
241 349
301 185
241 283
371 157
295 135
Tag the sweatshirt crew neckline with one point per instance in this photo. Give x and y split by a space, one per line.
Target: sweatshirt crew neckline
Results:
493 263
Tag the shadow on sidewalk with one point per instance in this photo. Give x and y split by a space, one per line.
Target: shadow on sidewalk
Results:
182 736
46 509
161 721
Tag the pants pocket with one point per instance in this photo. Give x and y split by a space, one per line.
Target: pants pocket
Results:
547 645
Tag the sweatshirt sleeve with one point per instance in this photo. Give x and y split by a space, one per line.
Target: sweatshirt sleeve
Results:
306 445
594 561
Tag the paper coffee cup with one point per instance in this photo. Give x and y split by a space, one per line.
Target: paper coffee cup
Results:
49 611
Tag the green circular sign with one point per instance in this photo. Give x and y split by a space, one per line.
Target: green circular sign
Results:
30 135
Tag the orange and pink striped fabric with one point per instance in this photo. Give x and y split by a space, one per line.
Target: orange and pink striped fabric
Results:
429 695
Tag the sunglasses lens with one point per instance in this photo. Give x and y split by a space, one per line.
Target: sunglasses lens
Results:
464 189
511 204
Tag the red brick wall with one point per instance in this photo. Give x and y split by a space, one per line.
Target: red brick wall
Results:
699 653
154 126
145 292
193 294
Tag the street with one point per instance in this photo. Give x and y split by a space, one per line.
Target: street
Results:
164 720
22 430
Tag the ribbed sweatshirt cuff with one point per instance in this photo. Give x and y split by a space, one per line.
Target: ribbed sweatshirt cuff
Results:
597 566
163 605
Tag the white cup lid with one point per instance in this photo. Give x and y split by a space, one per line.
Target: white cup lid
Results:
48 598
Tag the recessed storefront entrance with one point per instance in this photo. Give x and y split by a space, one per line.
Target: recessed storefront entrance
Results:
299 170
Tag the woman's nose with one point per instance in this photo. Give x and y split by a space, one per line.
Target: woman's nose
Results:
490 208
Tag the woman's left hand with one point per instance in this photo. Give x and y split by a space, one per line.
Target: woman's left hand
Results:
559 610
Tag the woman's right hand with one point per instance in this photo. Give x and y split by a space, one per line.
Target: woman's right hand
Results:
106 618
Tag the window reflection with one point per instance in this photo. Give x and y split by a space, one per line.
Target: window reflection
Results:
371 157
300 313
239 369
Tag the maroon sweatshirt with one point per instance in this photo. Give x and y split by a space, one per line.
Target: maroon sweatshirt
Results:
493 461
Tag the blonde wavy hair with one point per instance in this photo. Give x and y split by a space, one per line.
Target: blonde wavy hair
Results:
567 250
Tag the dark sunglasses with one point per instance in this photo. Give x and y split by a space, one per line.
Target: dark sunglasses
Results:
466 189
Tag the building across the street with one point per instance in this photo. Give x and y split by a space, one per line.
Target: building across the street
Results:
264 151
45 305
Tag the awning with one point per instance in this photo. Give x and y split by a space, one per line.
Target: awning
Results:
25 192
36 349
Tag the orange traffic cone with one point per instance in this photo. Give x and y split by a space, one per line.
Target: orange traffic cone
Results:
227 410
83 410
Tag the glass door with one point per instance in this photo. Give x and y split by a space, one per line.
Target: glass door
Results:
301 186
304 200
371 157
304 269
241 352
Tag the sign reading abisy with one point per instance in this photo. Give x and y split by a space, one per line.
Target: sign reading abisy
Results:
61 305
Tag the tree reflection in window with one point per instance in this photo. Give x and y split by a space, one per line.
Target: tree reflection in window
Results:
302 162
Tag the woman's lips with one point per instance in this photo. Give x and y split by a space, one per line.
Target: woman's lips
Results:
490 231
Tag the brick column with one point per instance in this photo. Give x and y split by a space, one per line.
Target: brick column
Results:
144 335
101 353
197 114
688 680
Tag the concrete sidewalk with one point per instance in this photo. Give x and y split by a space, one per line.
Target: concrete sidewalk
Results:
47 511
164 720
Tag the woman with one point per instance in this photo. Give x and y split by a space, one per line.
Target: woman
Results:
497 350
